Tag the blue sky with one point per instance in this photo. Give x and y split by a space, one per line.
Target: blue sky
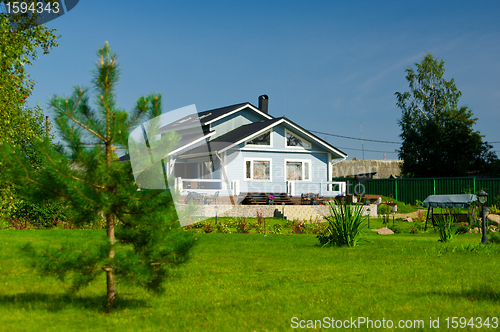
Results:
326 65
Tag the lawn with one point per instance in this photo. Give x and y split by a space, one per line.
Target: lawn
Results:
252 282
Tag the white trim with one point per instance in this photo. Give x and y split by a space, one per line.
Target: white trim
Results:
191 143
329 170
251 160
309 161
277 150
262 145
239 109
298 136
250 136
327 146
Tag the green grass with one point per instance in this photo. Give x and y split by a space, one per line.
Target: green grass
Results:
402 207
248 282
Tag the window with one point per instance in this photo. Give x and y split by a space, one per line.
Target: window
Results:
258 170
293 140
264 139
298 170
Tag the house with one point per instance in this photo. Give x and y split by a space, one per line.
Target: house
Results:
242 148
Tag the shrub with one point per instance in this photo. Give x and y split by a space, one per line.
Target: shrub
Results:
313 227
396 229
345 224
242 226
494 237
261 223
207 226
384 212
275 229
41 215
421 216
463 229
494 209
222 227
298 227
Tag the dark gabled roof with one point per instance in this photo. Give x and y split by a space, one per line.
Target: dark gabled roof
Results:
244 132
205 117
233 136
184 142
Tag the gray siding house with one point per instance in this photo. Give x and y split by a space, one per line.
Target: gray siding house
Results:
241 148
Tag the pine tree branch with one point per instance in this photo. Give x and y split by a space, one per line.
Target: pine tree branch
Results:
70 115
83 195
50 256
70 175
68 250
134 121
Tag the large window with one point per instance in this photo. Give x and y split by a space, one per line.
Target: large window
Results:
264 139
295 141
258 170
298 170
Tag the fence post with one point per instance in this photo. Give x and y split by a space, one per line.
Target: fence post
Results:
396 185
434 185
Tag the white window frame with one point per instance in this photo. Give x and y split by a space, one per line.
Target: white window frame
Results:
261 145
309 161
298 136
251 160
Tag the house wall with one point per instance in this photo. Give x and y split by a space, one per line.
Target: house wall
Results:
278 153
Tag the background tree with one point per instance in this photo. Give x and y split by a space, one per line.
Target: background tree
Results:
19 124
143 236
438 136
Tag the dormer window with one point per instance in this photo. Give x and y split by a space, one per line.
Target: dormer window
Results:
295 141
264 139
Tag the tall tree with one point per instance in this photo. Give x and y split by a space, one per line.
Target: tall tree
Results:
144 239
20 125
438 135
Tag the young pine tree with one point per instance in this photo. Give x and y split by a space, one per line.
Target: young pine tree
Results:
143 239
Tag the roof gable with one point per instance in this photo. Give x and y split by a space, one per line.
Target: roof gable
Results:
246 132
207 117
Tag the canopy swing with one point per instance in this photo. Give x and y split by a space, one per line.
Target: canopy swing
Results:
448 201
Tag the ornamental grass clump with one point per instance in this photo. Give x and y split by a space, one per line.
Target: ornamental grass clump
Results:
445 227
345 225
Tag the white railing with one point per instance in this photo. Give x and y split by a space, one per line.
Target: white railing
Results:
207 186
324 189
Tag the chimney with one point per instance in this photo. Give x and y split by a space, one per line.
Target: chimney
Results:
263 100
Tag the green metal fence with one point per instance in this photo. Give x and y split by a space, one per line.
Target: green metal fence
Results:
410 190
